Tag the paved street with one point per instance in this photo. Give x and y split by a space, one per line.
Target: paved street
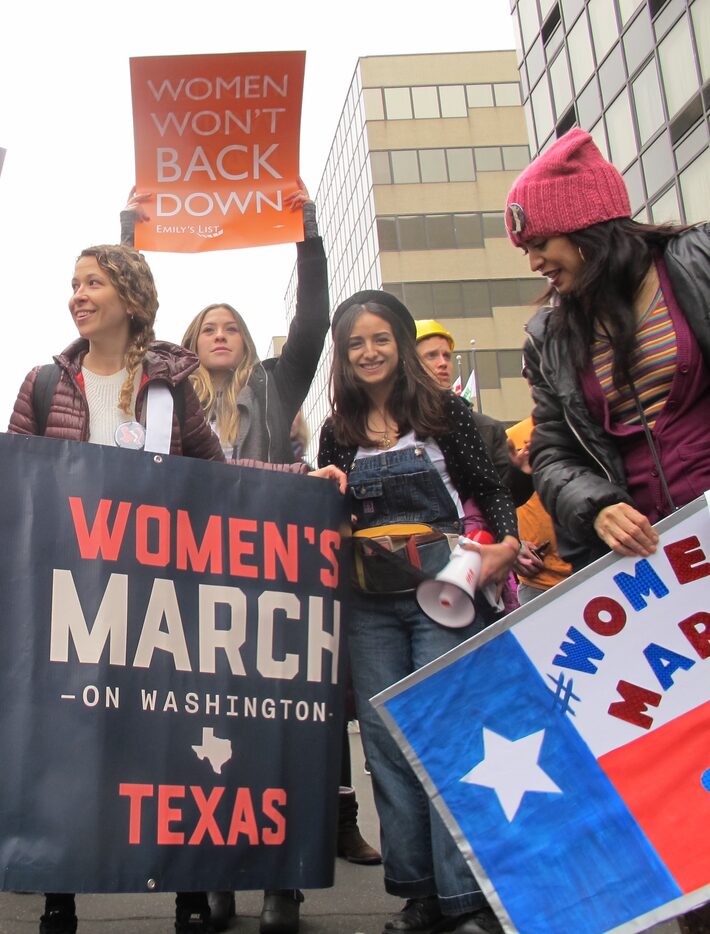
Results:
357 904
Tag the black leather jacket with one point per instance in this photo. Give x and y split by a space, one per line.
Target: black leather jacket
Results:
577 467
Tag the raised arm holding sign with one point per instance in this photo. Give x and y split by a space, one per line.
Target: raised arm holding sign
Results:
217 140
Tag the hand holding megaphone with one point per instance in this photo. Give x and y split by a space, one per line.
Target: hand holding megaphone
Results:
448 598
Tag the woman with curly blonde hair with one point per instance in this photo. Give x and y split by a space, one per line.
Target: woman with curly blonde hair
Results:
103 377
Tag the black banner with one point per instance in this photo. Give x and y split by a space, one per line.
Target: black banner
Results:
171 646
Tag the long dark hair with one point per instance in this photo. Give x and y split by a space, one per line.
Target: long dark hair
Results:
617 256
415 402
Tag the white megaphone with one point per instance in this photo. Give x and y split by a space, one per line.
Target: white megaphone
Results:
448 598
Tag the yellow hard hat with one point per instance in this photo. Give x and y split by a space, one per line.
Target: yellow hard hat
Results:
427 327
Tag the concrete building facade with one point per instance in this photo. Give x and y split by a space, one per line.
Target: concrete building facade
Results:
636 75
411 200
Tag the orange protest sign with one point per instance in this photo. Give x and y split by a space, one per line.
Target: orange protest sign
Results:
521 432
217 143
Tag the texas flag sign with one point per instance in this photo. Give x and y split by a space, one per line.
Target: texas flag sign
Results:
567 747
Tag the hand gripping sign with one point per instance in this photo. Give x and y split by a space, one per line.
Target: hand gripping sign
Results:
217 144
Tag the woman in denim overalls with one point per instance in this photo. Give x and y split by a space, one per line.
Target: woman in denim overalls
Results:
412 455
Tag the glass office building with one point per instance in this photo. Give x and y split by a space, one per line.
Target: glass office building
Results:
636 75
411 200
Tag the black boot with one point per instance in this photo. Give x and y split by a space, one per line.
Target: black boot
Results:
351 845
57 922
192 913
280 912
59 914
222 909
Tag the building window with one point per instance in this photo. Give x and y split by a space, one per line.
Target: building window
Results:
627 8
599 136
589 104
412 233
387 233
398 104
460 163
561 83
634 186
426 102
536 61
433 165
695 189
374 109
619 125
515 158
693 144
507 94
469 230
380 165
479 95
638 40
492 366
612 75
405 167
604 30
657 164
446 299
504 293
647 98
666 210
542 110
700 11
488 159
571 10
494 225
529 23
580 53
510 364
466 299
440 233
453 101
680 82
487 374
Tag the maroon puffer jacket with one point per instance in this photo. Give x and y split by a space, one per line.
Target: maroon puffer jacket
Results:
68 416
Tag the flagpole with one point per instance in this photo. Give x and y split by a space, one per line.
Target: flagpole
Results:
472 342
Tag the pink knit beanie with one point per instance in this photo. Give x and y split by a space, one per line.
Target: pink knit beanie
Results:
567 188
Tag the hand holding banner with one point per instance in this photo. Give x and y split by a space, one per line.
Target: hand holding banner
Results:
217 142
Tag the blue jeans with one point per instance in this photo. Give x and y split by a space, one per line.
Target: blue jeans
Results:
389 638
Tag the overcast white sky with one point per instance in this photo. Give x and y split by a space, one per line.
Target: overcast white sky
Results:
65 120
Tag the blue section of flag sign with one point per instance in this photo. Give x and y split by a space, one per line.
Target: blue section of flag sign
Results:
572 860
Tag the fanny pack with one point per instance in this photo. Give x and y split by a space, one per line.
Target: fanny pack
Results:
387 558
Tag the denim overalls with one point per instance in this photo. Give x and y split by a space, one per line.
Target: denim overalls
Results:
389 638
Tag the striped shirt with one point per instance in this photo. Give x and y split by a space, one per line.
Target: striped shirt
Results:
652 366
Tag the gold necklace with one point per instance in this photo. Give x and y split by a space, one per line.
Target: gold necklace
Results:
386 442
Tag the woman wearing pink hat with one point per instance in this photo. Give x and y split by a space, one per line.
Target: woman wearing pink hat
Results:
618 357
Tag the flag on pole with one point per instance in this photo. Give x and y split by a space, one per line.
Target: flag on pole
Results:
457 385
469 391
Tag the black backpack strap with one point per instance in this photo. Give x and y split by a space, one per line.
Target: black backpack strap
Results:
45 384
